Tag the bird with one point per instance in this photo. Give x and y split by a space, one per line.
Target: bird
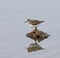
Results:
33 23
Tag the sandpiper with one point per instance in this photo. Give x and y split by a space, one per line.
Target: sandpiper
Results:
33 23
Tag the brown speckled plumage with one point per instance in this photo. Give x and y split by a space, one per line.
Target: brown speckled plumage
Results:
34 22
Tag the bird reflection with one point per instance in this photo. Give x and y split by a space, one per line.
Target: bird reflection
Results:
34 47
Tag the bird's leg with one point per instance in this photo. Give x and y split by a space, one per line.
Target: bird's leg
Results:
35 27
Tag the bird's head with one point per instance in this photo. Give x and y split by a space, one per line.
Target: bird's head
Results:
27 20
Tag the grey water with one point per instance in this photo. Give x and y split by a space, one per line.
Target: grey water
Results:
13 40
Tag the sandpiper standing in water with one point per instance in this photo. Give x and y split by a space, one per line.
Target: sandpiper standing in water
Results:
34 23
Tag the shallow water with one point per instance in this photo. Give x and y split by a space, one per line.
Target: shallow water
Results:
13 40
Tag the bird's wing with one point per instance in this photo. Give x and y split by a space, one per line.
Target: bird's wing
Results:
34 22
